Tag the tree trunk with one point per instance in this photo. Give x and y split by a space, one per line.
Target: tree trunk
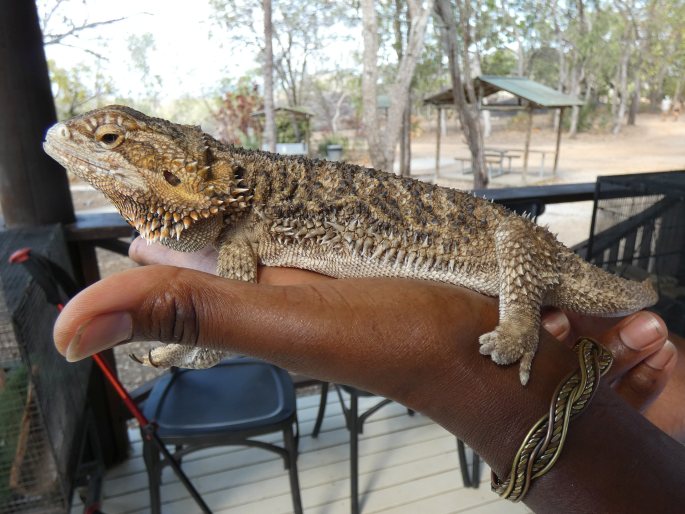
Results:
382 149
622 89
369 85
468 114
405 135
269 115
635 98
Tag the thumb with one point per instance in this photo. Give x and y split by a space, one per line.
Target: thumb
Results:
168 304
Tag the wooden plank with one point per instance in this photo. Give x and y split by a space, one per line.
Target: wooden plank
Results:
407 464
96 226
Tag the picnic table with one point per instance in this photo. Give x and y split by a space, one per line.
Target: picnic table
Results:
495 159
515 152
499 160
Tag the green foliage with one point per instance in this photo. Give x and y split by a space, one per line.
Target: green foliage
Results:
332 139
72 93
290 128
499 62
13 396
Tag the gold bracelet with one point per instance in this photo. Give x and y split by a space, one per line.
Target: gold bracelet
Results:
543 444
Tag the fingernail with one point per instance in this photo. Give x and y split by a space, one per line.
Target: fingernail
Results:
556 323
642 330
100 333
661 358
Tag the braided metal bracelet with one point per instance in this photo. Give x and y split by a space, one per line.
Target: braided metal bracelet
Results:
543 443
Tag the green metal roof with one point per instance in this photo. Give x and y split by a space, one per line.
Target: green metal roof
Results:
527 89
534 92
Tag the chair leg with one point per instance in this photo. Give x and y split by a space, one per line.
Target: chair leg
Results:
353 426
471 480
322 409
291 448
152 464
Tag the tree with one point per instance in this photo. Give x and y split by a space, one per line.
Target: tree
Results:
467 108
382 141
234 120
300 30
62 30
71 91
140 47
269 115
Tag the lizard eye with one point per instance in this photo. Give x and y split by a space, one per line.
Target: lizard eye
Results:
109 136
171 178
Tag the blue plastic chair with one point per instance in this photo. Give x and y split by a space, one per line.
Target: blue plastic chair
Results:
228 404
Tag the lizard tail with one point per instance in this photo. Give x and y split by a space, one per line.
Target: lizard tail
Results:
587 289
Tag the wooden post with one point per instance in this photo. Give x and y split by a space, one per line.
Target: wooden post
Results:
526 150
437 146
556 150
34 189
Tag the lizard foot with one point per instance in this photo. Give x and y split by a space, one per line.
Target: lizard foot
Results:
508 346
180 356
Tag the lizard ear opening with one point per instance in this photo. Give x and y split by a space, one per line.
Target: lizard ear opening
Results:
171 178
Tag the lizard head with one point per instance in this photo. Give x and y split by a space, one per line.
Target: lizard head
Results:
161 176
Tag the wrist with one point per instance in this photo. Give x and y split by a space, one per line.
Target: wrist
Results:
493 397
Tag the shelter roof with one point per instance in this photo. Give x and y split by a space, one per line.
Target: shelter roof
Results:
527 89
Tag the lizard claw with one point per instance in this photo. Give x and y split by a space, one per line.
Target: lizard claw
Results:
145 361
134 357
150 361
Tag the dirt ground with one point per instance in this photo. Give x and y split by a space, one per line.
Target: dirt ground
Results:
652 145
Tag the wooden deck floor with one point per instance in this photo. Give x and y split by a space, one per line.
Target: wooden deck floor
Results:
407 465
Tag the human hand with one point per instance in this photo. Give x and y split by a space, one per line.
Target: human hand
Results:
409 340
646 371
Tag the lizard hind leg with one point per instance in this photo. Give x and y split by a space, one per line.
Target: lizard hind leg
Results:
180 356
527 269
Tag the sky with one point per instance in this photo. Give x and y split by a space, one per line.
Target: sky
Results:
190 61
187 59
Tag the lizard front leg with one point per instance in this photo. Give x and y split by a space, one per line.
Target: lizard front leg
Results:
527 269
236 261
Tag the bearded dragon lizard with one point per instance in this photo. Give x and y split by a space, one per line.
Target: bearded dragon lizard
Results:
182 188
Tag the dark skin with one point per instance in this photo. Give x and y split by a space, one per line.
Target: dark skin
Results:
416 342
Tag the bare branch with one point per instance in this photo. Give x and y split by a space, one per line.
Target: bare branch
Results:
53 39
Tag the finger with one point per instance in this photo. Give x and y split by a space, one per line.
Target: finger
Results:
643 383
145 253
557 323
589 326
634 339
206 260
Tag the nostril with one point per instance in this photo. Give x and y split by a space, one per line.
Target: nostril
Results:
63 131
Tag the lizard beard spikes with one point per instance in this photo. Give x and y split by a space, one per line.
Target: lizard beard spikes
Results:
162 222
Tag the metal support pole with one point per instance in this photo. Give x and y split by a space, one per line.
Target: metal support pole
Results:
556 150
437 146
526 150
